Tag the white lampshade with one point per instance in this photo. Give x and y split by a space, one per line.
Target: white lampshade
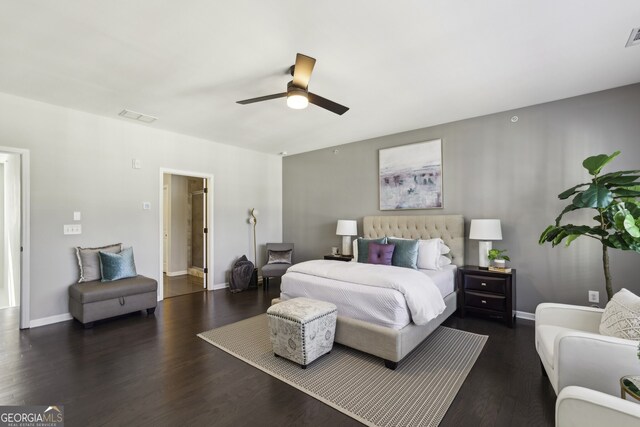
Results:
485 229
347 227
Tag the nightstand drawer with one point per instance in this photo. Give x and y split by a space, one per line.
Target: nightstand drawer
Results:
484 283
487 301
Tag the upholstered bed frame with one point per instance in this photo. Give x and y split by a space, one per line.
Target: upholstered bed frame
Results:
393 345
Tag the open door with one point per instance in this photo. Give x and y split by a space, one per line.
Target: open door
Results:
199 230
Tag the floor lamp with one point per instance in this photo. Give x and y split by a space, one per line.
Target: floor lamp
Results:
253 220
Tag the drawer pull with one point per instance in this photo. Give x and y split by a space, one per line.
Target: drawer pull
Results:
484 302
483 284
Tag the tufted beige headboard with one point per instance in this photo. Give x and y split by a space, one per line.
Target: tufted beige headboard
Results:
449 228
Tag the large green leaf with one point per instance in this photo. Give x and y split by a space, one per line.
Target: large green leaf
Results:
596 196
567 209
618 219
618 180
617 173
625 192
570 192
631 226
623 242
572 237
594 164
546 233
554 234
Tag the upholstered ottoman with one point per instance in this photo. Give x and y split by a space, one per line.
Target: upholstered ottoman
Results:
91 301
302 329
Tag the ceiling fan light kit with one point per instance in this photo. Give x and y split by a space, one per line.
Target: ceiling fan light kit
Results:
298 95
297 98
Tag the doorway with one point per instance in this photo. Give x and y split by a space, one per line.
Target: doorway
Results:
185 233
14 232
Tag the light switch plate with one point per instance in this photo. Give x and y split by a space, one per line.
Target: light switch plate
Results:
77 216
72 229
146 206
136 163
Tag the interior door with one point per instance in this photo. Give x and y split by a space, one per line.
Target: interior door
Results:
199 230
165 232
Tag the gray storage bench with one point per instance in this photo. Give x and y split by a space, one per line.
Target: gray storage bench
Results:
96 300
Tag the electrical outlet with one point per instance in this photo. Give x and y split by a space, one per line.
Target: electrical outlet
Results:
594 296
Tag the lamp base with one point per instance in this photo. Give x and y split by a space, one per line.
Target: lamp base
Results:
346 245
483 253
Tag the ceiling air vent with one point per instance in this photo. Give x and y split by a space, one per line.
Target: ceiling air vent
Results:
634 38
137 116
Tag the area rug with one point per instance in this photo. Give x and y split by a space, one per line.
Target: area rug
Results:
417 393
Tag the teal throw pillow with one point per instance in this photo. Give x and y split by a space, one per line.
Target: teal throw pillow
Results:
405 253
363 247
117 266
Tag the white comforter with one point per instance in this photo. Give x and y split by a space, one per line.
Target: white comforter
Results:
423 297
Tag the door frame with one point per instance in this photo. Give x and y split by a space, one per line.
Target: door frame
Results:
209 249
25 235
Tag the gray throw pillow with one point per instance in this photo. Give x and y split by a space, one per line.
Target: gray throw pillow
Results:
89 261
363 247
279 257
405 254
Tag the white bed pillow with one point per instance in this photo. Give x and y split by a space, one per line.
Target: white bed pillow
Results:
430 254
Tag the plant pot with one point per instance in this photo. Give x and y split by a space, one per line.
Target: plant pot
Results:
500 263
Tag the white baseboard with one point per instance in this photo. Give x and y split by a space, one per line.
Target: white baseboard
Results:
220 286
525 315
176 273
50 320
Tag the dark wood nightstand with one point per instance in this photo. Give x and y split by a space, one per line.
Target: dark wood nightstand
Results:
487 292
346 258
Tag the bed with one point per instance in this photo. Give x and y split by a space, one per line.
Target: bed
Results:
377 322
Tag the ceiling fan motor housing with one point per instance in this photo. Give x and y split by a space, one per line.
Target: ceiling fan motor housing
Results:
293 89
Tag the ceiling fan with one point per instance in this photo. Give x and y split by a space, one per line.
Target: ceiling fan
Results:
298 95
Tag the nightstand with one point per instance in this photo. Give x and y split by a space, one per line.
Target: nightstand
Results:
346 258
487 293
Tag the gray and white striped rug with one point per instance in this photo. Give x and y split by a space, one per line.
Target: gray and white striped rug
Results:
417 393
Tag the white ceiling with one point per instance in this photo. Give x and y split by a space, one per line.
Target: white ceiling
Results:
399 65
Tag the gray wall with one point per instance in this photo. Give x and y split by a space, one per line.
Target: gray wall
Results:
83 162
493 168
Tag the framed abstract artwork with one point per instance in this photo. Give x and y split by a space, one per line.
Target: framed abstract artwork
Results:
410 176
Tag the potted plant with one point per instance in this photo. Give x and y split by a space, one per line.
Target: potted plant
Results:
498 257
614 198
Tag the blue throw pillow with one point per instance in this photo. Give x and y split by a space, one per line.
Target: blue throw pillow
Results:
117 266
405 253
363 247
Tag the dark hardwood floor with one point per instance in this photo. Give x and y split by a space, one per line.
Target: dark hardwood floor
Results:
139 370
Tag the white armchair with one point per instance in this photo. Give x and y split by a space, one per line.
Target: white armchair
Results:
573 353
580 407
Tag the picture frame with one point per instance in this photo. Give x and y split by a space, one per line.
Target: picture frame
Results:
410 176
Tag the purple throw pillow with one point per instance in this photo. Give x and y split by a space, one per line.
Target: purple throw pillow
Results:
380 253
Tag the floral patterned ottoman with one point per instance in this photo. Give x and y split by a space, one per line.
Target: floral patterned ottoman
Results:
302 329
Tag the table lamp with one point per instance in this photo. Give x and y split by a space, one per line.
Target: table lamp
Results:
485 230
346 228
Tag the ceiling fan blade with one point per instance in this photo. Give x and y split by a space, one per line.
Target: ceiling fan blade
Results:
334 107
302 70
262 98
